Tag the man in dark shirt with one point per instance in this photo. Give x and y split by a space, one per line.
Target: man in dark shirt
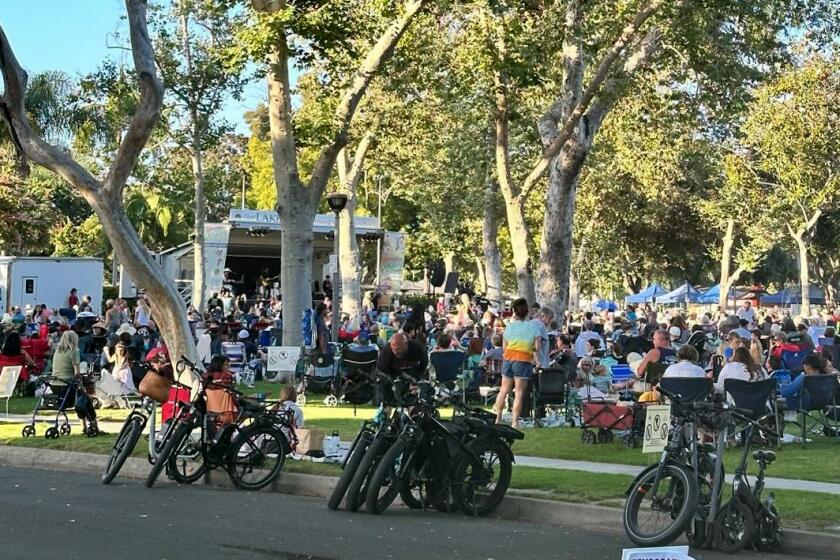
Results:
402 354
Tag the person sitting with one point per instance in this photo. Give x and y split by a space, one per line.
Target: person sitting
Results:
219 370
444 344
740 366
13 355
813 365
687 365
587 333
288 404
362 344
662 353
780 344
593 348
805 340
676 335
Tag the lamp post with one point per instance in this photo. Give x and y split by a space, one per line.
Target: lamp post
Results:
337 202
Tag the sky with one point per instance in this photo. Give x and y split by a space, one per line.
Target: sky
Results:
74 36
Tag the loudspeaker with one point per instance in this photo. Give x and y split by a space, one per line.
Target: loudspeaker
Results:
451 283
437 273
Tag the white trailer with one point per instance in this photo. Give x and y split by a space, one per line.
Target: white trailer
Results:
33 280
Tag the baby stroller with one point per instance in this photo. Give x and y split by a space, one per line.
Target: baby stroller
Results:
55 395
356 385
323 379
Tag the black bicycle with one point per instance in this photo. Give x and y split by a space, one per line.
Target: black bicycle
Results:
747 519
252 448
465 464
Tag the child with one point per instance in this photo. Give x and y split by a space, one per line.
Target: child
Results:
288 402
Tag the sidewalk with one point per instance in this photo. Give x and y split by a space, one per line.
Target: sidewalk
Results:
632 470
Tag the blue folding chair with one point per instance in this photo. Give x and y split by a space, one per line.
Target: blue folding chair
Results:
793 360
782 377
818 402
448 366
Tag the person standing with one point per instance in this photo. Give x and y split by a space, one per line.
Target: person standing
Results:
73 299
328 288
541 322
747 313
521 345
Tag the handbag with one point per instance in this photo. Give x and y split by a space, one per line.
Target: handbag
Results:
155 386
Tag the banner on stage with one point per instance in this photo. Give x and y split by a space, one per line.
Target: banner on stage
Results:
216 238
392 262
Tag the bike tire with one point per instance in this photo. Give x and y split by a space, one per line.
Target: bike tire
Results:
347 474
375 502
176 439
356 492
685 503
181 476
470 475
126 442
725 539
255 437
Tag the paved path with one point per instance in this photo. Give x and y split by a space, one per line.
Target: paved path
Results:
63 516
633 470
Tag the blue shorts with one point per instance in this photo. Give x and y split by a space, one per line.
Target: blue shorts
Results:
523 370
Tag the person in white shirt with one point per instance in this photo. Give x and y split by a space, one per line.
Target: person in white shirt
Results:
740 366
587 334
687 365
747 313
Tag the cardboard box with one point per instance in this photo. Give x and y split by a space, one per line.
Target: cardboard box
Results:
309 440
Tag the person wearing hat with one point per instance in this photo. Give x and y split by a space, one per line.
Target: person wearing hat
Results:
676 334
362 343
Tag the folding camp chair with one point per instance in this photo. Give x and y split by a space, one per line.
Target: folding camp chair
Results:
548 387
760 398
449 366
8 383
689 389
834 350
818 402
793 360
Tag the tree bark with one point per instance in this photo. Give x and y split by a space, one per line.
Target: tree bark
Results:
490 245
105 197
349 176
802 236
725 263
296 202
200 202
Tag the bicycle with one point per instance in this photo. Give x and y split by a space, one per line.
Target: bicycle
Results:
683 490
747 519
256 449
420 457
142 414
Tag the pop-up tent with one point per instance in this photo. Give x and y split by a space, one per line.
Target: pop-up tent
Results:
647 295
684 294
604 305
793 296
712 295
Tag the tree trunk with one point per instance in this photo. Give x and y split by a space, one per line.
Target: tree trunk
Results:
574 291
804 276
556 246
200 206
296 269
481 275
492 265
725 260
351 292
199 300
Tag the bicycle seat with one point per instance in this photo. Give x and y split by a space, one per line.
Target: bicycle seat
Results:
764 455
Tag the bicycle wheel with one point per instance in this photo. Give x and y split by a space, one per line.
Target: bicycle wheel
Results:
125 444
350 469
188 463
256 456
172 444
481 482
734 528
356 492
659 520
386 481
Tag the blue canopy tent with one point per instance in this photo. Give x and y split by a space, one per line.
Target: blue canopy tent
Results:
684 294
712 295
793 296
649 294
604 305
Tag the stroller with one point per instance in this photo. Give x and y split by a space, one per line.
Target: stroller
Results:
58 396
356 386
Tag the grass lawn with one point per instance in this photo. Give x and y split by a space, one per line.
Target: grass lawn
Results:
818 461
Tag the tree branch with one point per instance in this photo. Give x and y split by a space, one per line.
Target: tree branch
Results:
376 57
26 140
355 171
601 74
151 97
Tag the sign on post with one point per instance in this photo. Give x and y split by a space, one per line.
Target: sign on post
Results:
657 424
283 358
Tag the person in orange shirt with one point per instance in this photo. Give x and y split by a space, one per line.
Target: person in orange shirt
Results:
521 346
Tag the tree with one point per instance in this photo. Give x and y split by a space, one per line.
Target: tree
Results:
297 202
793 128
105 196
199 76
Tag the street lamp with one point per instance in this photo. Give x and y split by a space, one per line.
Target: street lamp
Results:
337 202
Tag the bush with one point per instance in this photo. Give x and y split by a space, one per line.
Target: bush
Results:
410 300
110 292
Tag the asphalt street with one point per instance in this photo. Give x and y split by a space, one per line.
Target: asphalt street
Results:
48 515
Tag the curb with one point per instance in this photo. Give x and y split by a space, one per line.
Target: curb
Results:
512 508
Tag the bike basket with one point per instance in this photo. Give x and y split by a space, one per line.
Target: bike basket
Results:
155 387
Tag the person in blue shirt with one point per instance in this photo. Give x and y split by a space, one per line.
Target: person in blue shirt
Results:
362 343
813 365
541 321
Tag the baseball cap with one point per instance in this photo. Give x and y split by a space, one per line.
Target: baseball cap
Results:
243 334
158 352
675 332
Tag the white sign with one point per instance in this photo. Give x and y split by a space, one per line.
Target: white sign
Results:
656 553
657 425
392 262
271 220
283 358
